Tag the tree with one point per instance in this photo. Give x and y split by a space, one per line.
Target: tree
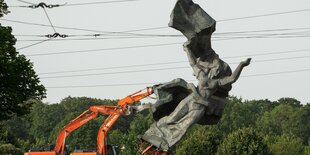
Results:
242 142
200 140
243 114
287 145
18 80
16 132
9 149
44 119
277 121
137 127
289 101
116 138
300 125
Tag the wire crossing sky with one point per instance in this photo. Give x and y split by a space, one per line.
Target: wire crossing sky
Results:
105 49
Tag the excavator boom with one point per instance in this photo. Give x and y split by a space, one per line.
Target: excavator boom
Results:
114 113
122 107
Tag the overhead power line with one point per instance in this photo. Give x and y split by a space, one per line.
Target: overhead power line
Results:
225 35
103 49
158 69
264 15
44 5
70 28
25 2
99 2
91 39
248 32
177 62
104 85
110 73
34 44
49 20
218 38
276 73
268 53
153 83
40 5
144 29
115 67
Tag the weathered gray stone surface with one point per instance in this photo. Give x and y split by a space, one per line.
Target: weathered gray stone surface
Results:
181 104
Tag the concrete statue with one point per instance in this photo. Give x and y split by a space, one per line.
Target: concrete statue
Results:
180 104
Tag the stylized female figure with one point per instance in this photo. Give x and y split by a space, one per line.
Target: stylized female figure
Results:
181 104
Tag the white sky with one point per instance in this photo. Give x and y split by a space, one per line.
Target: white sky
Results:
156 13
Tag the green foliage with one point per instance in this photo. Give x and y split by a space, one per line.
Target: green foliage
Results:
9 149
19 82
239 114
116 137
137 127
15 131
277 121
236 133
5 135
243 142
44 118
307 150
289 101
86 136
80 104
287 145
200 140
300 125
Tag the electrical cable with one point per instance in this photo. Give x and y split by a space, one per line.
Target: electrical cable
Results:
177 62
158 69
218 38
261 37
111 73
115 67
49 19
69 4
263 15
31 45
90 39
276 73
103 49
267 53
25 2
152 83
223 20
69 28
93 3
216 35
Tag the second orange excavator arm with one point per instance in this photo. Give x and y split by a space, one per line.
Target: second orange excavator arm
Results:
120 109
74 124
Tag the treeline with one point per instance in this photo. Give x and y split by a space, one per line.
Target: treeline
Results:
247 127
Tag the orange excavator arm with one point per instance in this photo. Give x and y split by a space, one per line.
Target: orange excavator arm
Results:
120 110
79 121
113 111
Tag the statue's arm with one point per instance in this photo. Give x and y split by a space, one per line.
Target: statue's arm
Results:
236 74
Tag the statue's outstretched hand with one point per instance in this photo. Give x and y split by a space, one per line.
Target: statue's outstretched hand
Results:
246 62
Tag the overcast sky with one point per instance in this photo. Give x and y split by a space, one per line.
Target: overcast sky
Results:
280 54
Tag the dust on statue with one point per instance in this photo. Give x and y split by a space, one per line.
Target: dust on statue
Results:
180 104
